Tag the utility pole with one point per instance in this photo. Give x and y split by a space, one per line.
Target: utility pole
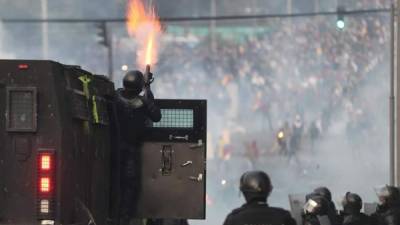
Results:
105 39
392 121
110 58
289 9
317 5
396 82
45 30
213 10
289 6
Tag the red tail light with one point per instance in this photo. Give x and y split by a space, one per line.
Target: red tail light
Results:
23 66
45 162
45 184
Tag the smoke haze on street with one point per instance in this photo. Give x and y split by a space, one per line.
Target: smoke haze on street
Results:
256 75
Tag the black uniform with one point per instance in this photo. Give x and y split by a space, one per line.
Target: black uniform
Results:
387 215
133 114
355 219
388 212
167 222
351 214
331 211
259 213
256 187
310 219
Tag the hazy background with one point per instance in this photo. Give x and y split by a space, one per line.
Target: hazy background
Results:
256 75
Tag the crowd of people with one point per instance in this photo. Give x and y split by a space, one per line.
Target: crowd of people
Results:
272 69
303 66
303 75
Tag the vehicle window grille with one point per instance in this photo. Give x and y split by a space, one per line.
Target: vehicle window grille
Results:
175 118
21 109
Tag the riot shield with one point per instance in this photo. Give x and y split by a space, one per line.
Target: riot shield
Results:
370 208
297 202
173 175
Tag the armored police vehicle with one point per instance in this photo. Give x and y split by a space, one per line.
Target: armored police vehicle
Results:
58 160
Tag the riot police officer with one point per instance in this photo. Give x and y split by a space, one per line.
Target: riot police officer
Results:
388 210
331 210
351 214
316 211
256 187
134 111
326 193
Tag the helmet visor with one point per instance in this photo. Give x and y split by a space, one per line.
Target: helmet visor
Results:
310 206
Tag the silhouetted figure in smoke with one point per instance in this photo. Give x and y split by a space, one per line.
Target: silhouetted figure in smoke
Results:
256 187
282 138
351 214
297 133
133 111
295 139
252 153
388 211
314 133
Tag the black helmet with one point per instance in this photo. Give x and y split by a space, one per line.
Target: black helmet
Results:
389 195
255 184
324 192
352 203
134 81
316 204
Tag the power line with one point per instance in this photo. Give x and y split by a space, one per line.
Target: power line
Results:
202 18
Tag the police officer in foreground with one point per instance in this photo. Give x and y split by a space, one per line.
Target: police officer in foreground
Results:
134 111
317 211
388 210
351 214
332 212
326 193
256 187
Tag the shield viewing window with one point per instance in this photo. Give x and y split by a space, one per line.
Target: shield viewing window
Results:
182 121
21 109
175 118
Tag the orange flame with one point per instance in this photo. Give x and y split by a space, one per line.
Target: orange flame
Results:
145 28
